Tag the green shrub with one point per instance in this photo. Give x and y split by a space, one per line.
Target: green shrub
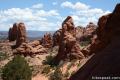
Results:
73 72
3 56
46 69
85 43
17 69
56 75
67 74
48 60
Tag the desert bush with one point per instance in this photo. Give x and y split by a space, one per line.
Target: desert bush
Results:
46 69
72 63
78 64
73 72
85 43
67 74
56 75
0 72
17 69
48 60
3 56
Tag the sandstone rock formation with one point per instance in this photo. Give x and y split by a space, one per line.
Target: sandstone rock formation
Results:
90 29
99 41
30 49
12 32
105 62
86 33
46 41
80 33
68 46
21 34
18 33
86 36
56 37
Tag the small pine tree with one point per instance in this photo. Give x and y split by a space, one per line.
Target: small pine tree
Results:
57 75
17 69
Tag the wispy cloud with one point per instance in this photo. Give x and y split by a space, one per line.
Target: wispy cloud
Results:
34 18
82 13
77 5
38 5
37 17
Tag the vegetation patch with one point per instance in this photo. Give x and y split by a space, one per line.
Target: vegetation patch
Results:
3 56
56 75
17 69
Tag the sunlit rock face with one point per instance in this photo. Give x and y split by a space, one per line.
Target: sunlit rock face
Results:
18 33
30 49
47 41
12 34
106 47
68 46
56 37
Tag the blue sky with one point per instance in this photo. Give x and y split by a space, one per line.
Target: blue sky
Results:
47 15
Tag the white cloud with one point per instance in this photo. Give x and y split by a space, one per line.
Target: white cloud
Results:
37 6
47 13
77 5
83 14
54 3
35 19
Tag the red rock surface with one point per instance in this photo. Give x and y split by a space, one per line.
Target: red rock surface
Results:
30 49
46 41
56 37
21 34
68 46
12 32
105 62
84 33
18 33
86 36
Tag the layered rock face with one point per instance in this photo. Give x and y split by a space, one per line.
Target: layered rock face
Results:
12 32
46 41
79 33
21 34
18 33
99 41
83 34
30 49
56 37
68 46
105 62
86 36
90 30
